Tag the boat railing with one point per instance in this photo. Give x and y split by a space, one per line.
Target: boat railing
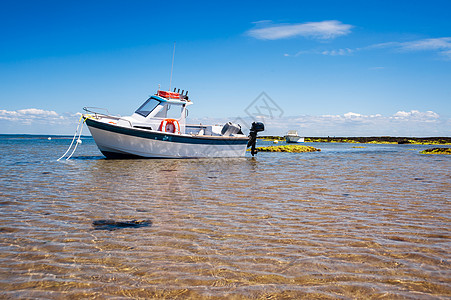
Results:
91 110
196 125
98 115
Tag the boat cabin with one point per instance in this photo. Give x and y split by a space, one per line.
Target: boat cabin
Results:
160 113
167 112
292 133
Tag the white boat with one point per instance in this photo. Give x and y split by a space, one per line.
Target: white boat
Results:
158 129
293 137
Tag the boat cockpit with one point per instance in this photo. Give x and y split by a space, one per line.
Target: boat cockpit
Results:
162 114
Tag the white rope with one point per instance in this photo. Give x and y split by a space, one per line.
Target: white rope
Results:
78 142
73 139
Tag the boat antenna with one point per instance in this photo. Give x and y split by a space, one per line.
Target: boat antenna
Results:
172 67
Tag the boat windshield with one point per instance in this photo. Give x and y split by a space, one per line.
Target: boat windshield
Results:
147 107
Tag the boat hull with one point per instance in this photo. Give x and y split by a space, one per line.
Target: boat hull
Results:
124 142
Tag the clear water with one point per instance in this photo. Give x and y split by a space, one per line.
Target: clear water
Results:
345 222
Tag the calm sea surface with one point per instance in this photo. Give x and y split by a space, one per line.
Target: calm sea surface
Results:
346 222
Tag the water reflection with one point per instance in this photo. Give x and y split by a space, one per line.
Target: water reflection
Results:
344 222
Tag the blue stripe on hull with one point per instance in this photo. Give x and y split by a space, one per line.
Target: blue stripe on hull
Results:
161 136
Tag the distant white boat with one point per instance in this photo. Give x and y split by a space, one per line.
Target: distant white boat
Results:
158 129
293 137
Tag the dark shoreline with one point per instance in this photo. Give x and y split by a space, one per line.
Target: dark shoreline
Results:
372 140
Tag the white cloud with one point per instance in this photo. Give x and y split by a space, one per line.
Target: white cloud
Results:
37 112
37 121
351 115
427 116
401 114
320 30
29 115
402 123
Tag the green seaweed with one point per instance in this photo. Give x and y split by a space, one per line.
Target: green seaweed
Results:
288 148
373 140
271 138
437 151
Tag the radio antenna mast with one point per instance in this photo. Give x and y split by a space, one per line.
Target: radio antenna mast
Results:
172 67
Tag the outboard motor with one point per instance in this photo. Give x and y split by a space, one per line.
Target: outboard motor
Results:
255 128
229 129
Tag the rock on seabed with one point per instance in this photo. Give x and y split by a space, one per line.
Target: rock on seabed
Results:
288 148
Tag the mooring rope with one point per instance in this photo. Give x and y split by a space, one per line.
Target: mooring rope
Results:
76 144
73 139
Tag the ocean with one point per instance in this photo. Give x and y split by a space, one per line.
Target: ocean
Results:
372 222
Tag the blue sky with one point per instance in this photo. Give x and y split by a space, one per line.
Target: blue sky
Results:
327 68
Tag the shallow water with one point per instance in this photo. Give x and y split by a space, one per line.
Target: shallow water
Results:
345 222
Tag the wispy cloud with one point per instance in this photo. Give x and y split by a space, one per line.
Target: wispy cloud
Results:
334 52
340 52
447 54
440 46
428 44
319 30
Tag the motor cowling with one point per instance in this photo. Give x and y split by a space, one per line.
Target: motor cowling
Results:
230 129
255 128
